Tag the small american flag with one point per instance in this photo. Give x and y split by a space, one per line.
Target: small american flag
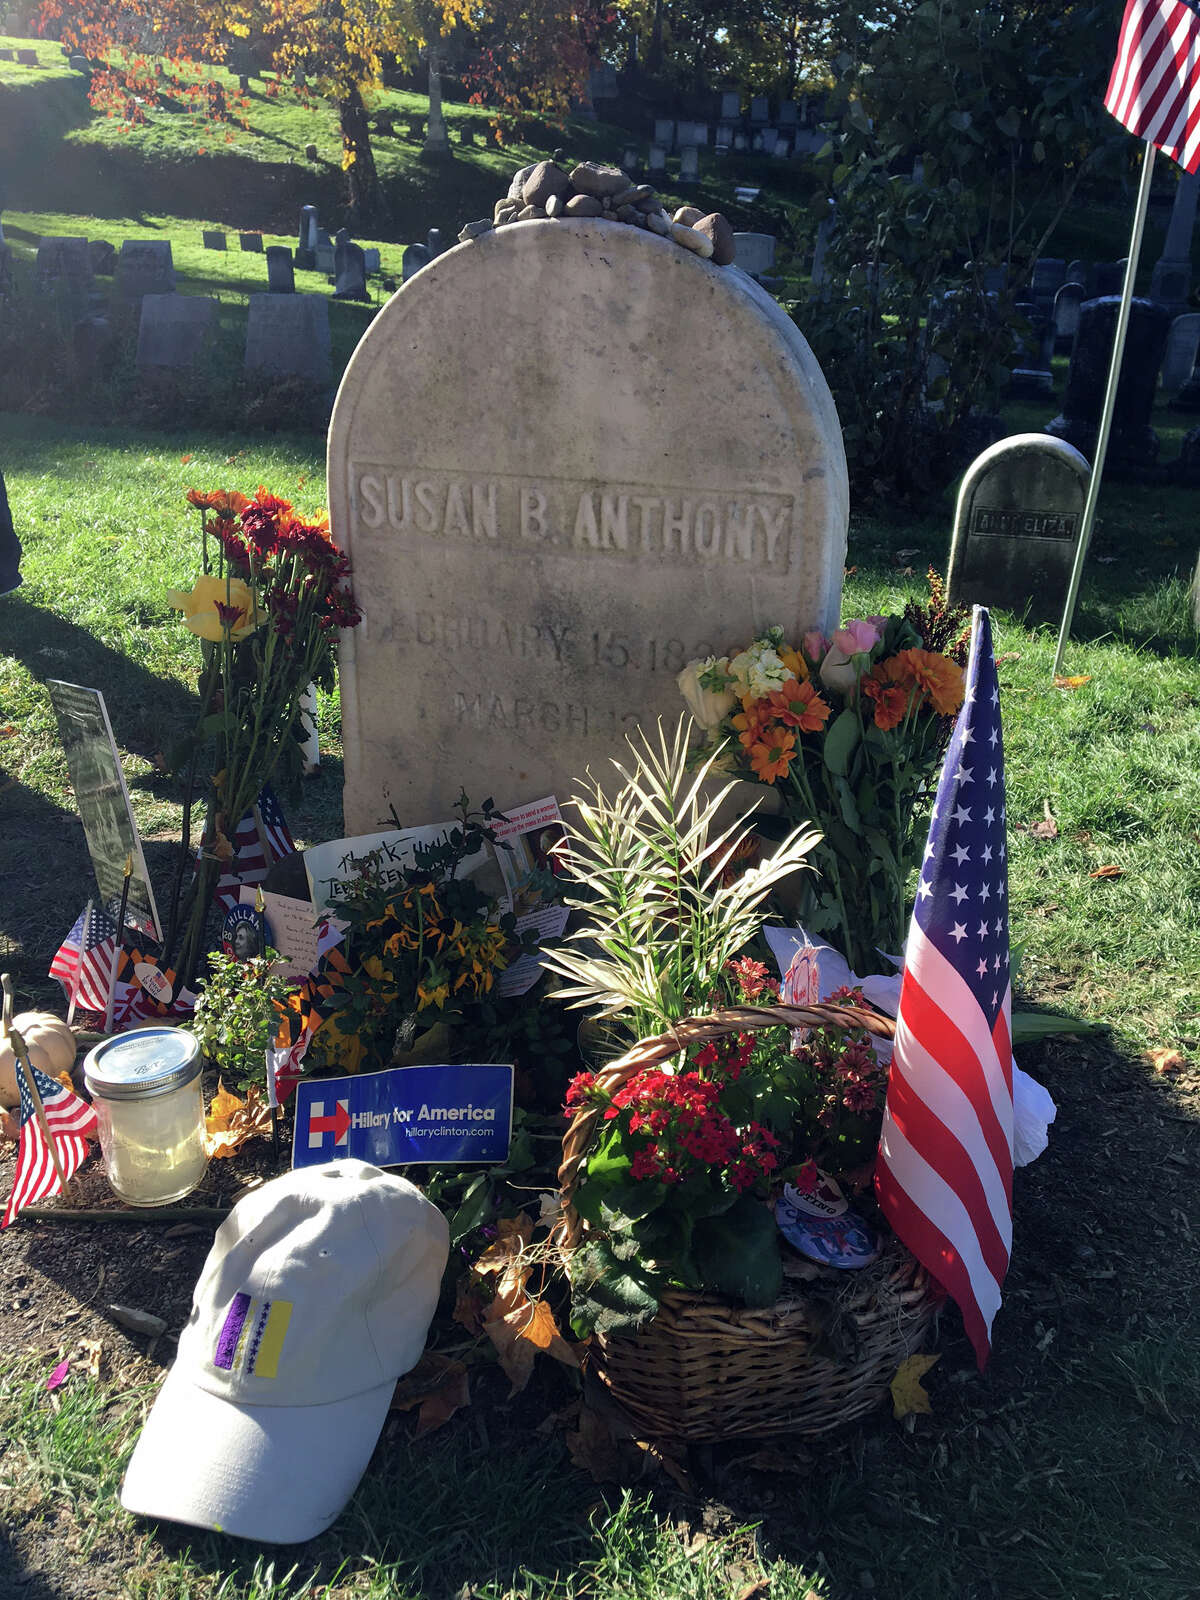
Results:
944 1175
96 933
69 1120
1154 90
261 837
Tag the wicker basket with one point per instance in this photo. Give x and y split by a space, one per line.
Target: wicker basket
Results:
705 1369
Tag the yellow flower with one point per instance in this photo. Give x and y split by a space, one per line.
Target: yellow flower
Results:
200 612
432 997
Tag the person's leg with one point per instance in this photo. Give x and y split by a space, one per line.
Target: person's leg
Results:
10 546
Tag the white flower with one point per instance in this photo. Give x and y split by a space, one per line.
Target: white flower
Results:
757 671
709 707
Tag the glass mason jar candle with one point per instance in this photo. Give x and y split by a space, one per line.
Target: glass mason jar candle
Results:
145 1088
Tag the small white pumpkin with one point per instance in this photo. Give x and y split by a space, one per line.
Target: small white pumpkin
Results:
51 1046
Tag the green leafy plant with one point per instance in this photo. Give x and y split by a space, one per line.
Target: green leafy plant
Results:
236 1017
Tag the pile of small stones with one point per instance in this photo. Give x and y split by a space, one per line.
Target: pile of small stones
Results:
591 190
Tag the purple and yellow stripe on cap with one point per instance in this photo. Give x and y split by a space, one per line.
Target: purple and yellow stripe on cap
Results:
252 1335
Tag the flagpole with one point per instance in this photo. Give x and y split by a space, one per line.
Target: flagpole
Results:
1110 400
111 998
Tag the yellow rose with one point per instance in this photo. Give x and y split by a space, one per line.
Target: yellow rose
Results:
200 612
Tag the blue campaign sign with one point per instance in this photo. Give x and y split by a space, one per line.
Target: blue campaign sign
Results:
439 1116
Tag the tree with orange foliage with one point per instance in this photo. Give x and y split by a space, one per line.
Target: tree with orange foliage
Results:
150 48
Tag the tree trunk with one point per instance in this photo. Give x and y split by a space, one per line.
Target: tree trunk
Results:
365 193
654 55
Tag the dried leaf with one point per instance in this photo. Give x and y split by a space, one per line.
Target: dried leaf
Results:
519 1332
1009 655
183 460
1164 1060
90 1353
1047 828
230 1121
58 1376
1073 683
593 1449
438 1385
468 1306
908 1397
660 1456
1107 872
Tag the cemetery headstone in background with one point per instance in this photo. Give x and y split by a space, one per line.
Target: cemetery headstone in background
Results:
1049 275
281 279
27 58
539 551
324 253
731 106
174 330
1183 338
1032 375
144 267
306 243
689 164
287 336
414 258
103 257
1133 443
755 252
1016 526
252 242
1066 316
371 259
64 263
213 240
350 268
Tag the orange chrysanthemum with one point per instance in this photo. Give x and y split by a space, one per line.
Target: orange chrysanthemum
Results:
225 502
891 703
751 721
798 705
772 755
939 677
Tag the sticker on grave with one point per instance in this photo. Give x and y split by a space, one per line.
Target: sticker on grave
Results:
429 1116
243 935
103 800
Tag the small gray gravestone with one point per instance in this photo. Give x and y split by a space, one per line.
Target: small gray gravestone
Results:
1016 525
287 336
281 279
740 142
214 240
1183 338
1077 272
433 242
414 258
371 259
103 257
656 161
306 243
324 253
731 106
174 330
760 109
1133 444
27 58
1032 375
144 266
251 243
78 64
756 142
724 138
1066 316
350 269
755 252
64 263
664 131
7 55
824 234
770 141
689 164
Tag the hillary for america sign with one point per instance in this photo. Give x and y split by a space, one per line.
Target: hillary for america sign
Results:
438 1116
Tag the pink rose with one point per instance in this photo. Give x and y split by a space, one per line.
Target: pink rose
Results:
814 645
858 637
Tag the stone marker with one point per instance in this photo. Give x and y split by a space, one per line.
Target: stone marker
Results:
7 55
174 330
213 240
371 259
755 252
251 243
78 64
324 253
311 153
731 106
144 266
1066 316
103 257
433 242
350 268
1183 337
64 263
689 164
27 58
1032 374
1133 443
656 161
281 278
1049 275
306 243
287 336
664 131
760 109
414 258
541 549
1077 272
1016 526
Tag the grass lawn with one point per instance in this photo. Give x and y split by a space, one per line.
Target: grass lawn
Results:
1069 1470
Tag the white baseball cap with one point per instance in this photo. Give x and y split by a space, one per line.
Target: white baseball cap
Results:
316 1296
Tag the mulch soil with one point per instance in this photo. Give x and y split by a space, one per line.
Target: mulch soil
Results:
1103 1241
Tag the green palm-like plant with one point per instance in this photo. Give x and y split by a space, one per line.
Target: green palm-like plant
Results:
664 912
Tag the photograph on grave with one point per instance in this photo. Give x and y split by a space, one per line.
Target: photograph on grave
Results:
541 551
103 800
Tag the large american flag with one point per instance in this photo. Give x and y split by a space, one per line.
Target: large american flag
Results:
69 1120
1154 90
83 961
944 1175
261 837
